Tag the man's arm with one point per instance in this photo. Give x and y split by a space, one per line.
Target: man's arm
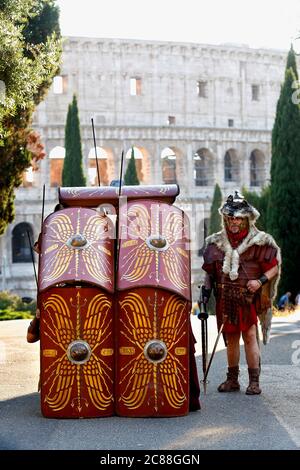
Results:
207 281
206 288
37 244
254 285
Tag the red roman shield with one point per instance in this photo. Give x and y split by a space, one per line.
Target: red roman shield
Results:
152 317
77 353
76 285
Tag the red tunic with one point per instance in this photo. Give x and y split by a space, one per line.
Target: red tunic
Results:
244 316
244 323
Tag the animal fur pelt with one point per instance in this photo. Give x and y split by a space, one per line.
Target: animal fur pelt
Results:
232 261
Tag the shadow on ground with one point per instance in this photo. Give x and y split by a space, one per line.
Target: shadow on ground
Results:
226 421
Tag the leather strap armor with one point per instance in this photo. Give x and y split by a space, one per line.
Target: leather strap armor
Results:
233 295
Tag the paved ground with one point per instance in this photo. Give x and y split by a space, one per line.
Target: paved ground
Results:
226 421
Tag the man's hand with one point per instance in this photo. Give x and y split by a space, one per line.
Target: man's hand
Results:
205 294
253 286
33 332
36 248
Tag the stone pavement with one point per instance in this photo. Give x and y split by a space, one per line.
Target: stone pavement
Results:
226 421
280 378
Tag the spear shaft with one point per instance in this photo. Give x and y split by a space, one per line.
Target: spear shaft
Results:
121 173
32 257
213 352
203 316
43 207
96 156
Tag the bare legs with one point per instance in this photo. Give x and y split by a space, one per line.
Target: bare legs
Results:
250 344
233 349
251 347
233 357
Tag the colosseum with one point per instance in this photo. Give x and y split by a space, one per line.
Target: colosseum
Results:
195 114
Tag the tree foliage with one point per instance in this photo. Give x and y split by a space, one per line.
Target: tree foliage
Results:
291 61
44 22
131 178
28 63
260 202
72 171
215 224
284 204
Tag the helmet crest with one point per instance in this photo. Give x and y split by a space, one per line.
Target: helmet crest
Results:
237 206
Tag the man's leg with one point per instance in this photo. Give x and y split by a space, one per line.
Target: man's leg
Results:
231 384
251 347
33 331
252 357
233 349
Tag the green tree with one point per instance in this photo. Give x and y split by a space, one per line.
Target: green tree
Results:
72 174
131 178
291 61
260 202
28 64
215 224
43 23
284 202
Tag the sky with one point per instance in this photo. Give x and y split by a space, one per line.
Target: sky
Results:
257 23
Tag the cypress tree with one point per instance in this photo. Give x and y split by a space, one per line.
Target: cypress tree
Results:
131 178
284 203
72 174
215 224
260 202
291 61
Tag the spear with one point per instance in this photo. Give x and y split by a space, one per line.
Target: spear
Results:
203 316
214 350
117 226
32 257
121 173
96 156
43 208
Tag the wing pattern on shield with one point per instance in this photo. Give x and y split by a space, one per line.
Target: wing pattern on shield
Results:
175 258
139 372
137 330
137 259
97 328
62 261
136 263
173 329
61 229
66 376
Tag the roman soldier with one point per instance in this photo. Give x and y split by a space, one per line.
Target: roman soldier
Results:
242 267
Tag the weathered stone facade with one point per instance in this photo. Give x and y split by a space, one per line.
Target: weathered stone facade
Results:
197 114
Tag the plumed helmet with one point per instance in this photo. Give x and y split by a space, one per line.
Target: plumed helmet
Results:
237 206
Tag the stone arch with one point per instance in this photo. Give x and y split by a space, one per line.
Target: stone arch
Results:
142 163
169 158
203 167
257 168
106 169
56 156
21 251
231 166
